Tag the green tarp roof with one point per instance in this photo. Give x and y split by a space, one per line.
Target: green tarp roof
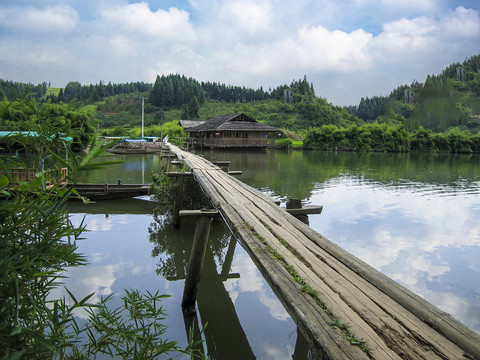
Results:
27 133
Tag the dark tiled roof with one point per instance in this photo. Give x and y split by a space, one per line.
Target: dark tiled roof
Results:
235 122
190 123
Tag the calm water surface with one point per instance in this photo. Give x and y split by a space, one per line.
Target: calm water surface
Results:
413 217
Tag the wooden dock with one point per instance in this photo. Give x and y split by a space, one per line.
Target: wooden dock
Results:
344 307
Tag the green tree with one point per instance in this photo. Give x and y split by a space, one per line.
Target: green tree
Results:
193 108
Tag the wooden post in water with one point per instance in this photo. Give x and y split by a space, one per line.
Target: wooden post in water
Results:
297 204
197 256
178 201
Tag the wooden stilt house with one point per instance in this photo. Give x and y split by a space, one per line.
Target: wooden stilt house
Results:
232 131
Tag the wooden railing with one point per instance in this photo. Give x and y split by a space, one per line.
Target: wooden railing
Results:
233 142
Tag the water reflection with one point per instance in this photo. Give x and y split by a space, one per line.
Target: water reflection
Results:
135 249
413 217
227 278
135 169
424 240
279 172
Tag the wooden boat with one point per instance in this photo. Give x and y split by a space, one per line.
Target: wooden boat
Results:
136 146
110 191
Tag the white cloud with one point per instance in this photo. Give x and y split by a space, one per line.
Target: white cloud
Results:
251 281
48 19
336 50
137 17
122 44
247 15
347 48
407 33
462 23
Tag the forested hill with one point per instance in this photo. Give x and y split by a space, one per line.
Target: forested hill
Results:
172 97
448 100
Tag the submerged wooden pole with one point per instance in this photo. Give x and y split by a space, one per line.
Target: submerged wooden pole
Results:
178 201
197 256
297 204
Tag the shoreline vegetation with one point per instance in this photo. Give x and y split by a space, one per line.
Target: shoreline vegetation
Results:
384 138
441 114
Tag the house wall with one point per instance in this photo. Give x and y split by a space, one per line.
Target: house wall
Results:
232 139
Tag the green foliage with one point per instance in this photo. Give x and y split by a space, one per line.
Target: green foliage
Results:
10 89
459 141
132 330
175 91
382 137
285 144
51 121
163 188
228 93
37 243
437 109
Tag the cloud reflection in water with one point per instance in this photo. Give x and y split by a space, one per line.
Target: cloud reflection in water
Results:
418 236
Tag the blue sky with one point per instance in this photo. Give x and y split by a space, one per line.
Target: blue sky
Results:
346 48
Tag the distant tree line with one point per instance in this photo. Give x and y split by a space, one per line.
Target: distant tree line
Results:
382 137
92 93
229 93
73 91
238 94
9 89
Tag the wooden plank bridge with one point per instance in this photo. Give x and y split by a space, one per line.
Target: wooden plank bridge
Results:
344 307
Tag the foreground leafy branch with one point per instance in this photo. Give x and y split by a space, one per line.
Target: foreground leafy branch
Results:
37 245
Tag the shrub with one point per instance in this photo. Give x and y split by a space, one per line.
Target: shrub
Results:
284 144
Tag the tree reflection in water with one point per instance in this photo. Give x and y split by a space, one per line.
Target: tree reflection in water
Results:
224 335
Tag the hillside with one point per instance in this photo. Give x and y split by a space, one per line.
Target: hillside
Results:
294 107
448 100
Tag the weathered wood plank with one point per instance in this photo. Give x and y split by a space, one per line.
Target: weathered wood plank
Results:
306 210
198 213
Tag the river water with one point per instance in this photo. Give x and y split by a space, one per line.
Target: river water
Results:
413 217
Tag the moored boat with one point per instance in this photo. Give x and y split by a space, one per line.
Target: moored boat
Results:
110 191
136 146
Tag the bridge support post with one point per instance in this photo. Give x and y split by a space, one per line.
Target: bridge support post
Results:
197 256
178 201
297 204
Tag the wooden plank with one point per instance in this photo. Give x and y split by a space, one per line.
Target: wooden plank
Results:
198 213
178 174
306 210
246 216
301 307
221 162
283 222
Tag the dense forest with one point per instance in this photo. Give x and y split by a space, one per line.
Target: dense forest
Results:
448 100
443 103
